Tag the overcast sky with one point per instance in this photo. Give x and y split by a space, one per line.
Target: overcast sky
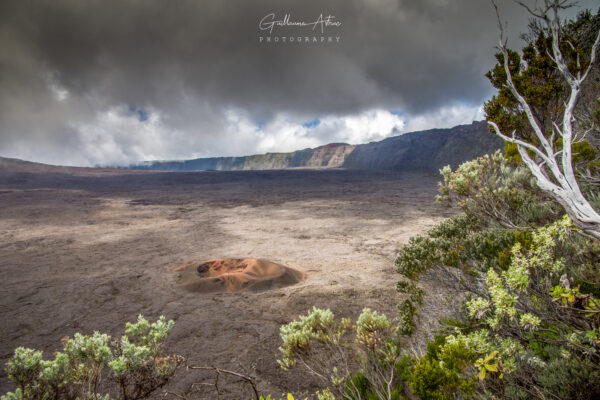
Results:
87 82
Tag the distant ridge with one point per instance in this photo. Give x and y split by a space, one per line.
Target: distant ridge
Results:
329 155
427 150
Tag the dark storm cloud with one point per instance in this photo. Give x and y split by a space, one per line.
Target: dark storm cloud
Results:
76 75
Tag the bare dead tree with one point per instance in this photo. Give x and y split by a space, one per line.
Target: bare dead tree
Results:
552 169
218 372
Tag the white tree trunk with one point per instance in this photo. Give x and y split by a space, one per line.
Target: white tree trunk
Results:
560 183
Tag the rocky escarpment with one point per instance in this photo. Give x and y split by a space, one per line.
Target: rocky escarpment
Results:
416 151
330 155
426 150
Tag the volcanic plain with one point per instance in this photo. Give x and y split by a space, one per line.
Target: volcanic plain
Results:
90 249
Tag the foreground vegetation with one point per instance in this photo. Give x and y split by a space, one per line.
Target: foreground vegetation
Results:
524 255
97 367
529 325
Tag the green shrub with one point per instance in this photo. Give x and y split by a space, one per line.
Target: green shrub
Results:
458 242
496 193
416 294
406 311
358 387
540 292
372 328
569 376
354 366
298 335
443 373
131 368
416 257
566 375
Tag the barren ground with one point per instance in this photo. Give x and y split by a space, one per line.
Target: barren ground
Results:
84 250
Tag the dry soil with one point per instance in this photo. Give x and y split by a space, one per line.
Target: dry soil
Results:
89 249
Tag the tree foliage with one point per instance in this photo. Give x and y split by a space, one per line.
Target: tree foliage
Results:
537 78
540 112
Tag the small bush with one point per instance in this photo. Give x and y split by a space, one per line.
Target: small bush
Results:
443 373
497 194
96 367
416 293
416 257
366 365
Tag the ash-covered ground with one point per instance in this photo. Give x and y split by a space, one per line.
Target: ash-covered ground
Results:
89 249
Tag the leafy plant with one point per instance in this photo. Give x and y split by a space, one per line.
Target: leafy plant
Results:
129 369
355 367
497 194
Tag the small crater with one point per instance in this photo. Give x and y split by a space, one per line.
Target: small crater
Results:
234 275
203 268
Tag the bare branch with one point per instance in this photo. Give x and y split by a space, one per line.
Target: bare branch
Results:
593 52
526 108
556 129
224 371
179 396
535 12
563 187
518 142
